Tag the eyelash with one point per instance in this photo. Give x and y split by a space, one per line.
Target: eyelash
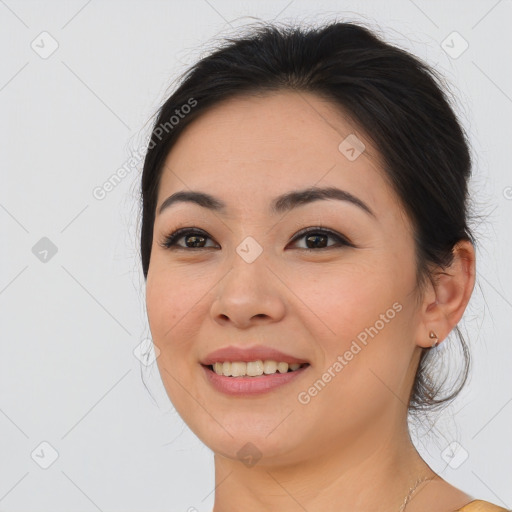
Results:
169 242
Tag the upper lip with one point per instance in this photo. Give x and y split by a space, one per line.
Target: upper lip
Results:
255 353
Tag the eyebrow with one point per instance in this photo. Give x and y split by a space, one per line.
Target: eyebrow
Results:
279 205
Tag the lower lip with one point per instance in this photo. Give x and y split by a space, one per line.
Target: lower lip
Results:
243 386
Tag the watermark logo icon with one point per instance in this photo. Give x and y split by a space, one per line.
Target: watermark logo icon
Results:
44 45
44 250
351 147
454 45
146 352
249 249
249 454
44 455
454 455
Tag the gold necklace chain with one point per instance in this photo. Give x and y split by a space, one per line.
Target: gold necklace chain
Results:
411 490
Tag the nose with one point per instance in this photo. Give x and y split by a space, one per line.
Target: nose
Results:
249 294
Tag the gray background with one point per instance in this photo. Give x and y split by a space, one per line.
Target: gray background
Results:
71 320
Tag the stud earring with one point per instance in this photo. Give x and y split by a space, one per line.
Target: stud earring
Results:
433 336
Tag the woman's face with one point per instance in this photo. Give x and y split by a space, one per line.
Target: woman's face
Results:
349 309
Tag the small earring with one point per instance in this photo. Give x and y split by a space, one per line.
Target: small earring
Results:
433 336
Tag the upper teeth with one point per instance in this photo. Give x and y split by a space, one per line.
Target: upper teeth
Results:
252 368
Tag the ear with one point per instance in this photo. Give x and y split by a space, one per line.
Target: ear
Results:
446 299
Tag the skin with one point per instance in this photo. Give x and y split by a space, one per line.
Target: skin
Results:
348 449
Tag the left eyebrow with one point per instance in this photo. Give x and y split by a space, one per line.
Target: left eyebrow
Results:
296 198
279 205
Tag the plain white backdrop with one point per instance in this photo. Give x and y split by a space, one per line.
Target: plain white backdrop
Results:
86 425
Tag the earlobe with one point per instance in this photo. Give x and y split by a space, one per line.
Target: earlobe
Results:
452 289
433 337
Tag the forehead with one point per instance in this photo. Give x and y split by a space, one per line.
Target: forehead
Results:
261 146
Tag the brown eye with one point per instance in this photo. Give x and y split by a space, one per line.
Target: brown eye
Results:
194 239
317 238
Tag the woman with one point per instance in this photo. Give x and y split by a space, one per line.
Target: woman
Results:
305 245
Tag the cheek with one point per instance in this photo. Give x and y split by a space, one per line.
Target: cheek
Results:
161 305
168 300
350 299
361 313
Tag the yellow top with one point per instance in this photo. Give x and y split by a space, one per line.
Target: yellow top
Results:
481 506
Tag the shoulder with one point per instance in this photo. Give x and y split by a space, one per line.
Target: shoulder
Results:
481 506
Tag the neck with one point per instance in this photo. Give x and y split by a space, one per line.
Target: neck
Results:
373 470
